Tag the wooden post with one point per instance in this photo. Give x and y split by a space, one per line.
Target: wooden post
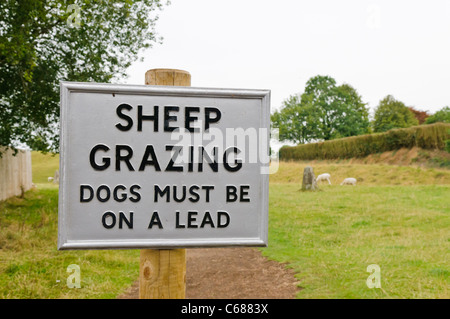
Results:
162 272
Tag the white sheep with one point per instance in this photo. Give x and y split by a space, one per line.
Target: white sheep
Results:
349 181
50 179
324 177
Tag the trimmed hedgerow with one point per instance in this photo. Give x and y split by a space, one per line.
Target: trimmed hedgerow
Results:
431 136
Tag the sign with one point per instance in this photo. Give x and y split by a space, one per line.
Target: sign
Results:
162 167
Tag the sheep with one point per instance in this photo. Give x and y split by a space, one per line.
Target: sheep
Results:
324 177
50 179
349 181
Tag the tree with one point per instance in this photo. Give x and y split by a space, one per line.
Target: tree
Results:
443 115
354 119
295 121
341 112
320 96
421 116
324 111
391 113
45 42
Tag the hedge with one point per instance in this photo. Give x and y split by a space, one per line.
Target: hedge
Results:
431 136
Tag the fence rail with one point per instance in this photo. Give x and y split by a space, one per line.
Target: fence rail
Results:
15 173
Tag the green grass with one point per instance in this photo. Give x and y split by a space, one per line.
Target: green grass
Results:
32 267
30 264
396 217
366 174
330 237
44 166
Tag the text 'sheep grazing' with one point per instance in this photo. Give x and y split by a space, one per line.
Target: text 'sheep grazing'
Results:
195 159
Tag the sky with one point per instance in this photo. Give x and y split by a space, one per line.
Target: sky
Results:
379 47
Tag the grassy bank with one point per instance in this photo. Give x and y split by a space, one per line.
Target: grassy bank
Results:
368 175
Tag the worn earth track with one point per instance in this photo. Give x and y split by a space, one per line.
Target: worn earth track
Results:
232 273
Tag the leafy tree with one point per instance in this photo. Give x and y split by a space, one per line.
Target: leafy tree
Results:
324 111
354 117
45 42
391 113
421 116
340 109
320 96
443 115
296 122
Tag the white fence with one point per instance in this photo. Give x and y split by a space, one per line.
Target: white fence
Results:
15 173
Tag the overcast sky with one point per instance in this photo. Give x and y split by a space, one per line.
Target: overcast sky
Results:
379 47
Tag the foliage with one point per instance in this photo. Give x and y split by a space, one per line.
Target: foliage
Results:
323 112
45 42
443 115
424 136
421 116
391 113
295 121
447 143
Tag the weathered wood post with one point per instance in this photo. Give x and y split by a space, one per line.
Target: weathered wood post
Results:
162 272
309 180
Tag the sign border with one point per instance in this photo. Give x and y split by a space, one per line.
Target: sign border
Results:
66 88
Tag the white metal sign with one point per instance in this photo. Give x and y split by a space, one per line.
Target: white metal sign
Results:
162 167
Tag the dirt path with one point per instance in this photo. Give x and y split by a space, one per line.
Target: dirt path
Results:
233 273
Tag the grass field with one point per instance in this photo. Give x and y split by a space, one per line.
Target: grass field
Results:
44 166
30 264
330 239
396 217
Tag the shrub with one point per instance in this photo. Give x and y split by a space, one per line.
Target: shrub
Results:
432 136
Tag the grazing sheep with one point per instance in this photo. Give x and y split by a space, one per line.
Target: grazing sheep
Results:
50 179
323 177
349 181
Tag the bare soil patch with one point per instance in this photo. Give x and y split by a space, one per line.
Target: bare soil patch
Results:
233 273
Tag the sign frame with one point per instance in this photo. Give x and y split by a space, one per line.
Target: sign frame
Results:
67 243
